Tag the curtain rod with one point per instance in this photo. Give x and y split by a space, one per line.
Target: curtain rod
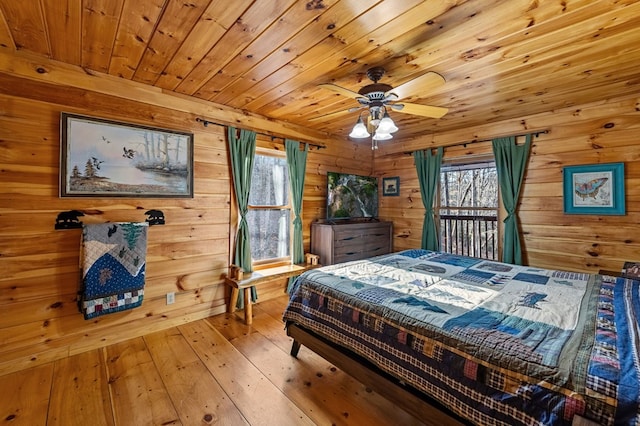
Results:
464 144
206 123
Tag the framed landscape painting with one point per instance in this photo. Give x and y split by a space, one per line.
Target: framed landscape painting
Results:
594 189
104 158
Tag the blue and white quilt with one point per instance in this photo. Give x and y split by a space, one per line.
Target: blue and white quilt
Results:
496 343
113 266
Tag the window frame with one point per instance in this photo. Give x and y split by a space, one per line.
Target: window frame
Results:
277 261
459 164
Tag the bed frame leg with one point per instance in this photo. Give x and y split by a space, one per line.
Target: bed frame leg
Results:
295 348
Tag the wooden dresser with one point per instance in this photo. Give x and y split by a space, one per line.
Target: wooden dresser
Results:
343 242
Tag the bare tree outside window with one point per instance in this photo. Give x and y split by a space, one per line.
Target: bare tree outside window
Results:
468 209
269 215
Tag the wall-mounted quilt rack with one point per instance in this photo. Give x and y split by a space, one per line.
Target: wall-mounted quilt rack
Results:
71 219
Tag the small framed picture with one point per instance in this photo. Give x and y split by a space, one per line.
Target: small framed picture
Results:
391 186
594 189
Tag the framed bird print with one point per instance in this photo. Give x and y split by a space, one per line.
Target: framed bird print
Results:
596 189
105 158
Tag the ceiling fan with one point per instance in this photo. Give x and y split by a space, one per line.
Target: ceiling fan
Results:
377 97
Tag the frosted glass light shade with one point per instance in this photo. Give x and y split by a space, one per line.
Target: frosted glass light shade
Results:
387 125
359 130
380 136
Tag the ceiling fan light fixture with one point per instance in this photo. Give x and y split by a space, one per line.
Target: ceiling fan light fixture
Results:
387 125
379 97
359 130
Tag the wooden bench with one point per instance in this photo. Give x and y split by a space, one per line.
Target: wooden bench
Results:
256 279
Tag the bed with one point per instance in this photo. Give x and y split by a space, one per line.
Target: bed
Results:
489 343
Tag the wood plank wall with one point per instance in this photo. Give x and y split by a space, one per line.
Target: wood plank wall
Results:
603 132
39 320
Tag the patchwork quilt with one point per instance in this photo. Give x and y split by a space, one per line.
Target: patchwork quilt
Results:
113 267
496 343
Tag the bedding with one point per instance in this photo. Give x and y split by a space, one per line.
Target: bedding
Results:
497 344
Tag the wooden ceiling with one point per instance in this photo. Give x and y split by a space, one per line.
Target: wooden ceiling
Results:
500 59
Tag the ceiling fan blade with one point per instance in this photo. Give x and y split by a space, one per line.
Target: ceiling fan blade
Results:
419 85
341 90
422 110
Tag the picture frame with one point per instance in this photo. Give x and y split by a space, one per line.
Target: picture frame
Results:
107 158
391 186
596 189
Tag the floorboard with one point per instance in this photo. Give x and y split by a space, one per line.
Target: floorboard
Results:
196 394
216 370
25 396
80 391
138 394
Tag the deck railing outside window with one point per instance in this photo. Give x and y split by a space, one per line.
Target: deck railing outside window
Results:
468 208
474 236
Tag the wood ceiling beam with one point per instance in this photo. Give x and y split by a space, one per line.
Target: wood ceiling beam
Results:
34 67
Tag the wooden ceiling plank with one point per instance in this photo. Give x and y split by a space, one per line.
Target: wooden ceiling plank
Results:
548 68
512 96
381 55
396 67
555 93
177 20
446 30
99 25
517 21
63 19
316 104
139 19
470 130
26 24
211 26
542 50
246 29
6 39
352 41
363 51
547 13
269 44
326 24
25 65
500 59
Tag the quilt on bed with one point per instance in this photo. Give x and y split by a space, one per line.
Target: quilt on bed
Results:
496 343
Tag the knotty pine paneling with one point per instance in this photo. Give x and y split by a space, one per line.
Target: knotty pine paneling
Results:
602 132
188 255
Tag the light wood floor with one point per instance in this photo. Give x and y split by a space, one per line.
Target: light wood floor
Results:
212 371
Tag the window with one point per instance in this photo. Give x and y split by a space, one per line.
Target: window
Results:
468 209
269 215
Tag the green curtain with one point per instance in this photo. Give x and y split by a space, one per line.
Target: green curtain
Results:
511 162
242 149
428 168
297 162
